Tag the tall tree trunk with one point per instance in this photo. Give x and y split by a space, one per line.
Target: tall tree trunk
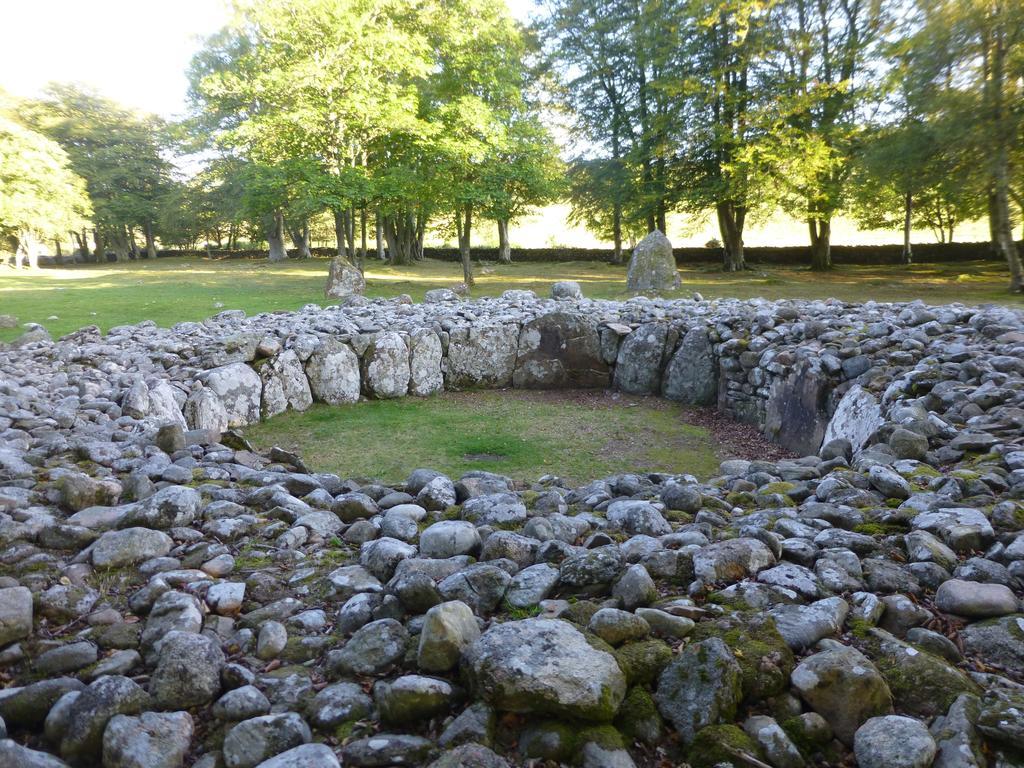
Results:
731 219
101 246
150 241
58 252
821 247
362 239
617 232
300 238
82 241
339 231
120 243
1001 223
464 227
400 233
378 226
133 247
274 232
504 248
908 214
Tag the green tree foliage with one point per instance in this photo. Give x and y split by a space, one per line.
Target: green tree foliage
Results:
970 55
41 198
364 108
119 155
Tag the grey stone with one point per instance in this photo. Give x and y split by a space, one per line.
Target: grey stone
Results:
15 614
844 687
652 266
691 376
151 740
893 741
544 667
188 670
448 629
252 741
699 687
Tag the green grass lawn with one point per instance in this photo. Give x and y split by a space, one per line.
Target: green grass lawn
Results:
577 435
175 289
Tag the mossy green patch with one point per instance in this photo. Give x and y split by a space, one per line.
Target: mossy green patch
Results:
642 661
764 658
718 744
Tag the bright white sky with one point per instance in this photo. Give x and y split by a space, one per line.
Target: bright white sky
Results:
133 51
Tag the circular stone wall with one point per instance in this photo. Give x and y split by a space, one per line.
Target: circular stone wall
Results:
166 590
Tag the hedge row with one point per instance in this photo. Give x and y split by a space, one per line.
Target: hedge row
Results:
925 253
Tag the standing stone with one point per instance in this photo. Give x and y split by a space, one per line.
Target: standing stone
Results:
425 355
163 406
691 376
858 416
795 417
652 266
333 373
343 280
560 350
638 367
240 390
386 366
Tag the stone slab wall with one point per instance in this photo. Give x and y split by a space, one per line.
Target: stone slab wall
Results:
785 366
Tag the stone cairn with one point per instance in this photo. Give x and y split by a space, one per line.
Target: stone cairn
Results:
169 597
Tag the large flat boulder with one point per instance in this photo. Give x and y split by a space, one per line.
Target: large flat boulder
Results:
544 667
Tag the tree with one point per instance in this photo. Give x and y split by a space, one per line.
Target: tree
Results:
119 155
972 53
588 45
525 173
820 67
724 43
41 198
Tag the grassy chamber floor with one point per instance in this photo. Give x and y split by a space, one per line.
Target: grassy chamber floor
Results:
577 435
176 289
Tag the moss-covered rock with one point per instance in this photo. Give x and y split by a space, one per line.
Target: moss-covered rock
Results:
764 658
719 744
581 612
922 684
641 662
548 740
638 717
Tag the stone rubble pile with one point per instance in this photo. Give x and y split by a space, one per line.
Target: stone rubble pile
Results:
170 597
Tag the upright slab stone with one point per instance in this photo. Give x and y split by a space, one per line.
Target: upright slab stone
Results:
560 350
652 266
856 419
386 366
638 367
284 385
795 416
333 373
482 356
691 376
240 390
425 355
